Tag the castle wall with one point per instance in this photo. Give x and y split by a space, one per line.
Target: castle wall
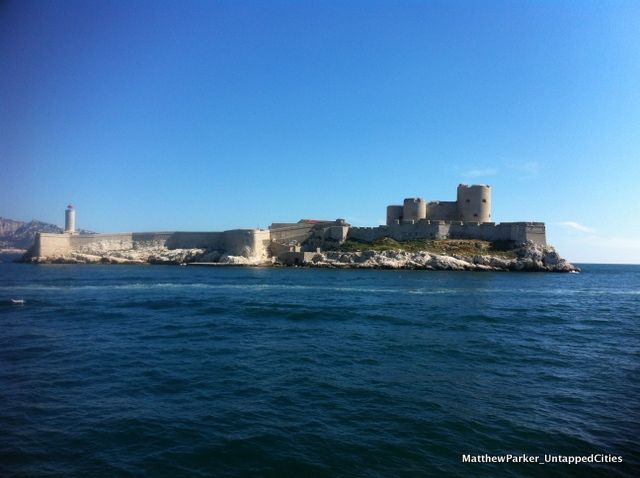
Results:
235 242
245 242
529 231
278 225
119 242
368 234
262 240
337 233
158 239
518 232
442 211
49 244
195 240
276 248
297 232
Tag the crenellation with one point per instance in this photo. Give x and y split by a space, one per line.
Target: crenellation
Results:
469 217
473 203
519 232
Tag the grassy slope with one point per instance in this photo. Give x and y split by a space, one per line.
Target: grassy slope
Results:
503 249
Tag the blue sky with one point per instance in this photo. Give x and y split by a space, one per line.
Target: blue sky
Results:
216 115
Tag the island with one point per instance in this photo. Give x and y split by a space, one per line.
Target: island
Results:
434 235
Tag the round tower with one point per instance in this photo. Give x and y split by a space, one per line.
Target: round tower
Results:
414 209
70 219
394 213
474 203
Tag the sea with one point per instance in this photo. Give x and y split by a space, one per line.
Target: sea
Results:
169 371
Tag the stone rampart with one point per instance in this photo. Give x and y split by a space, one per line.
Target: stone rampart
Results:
295 232
246 242
442 210
195 240
368 234
113 242
157 239
518 232
241 242
49 244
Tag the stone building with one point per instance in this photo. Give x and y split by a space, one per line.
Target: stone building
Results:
473 204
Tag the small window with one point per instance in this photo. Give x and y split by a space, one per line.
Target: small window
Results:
484 200
475 215
468 200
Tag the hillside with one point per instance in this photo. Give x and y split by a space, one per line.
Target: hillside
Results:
20 235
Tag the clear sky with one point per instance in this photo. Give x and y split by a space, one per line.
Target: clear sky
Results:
203 115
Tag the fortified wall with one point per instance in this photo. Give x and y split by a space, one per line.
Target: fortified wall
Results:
237 242
315 233
519 232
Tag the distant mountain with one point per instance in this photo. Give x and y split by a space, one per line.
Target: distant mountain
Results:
20 235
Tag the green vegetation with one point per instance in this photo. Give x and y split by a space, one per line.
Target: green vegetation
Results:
467 247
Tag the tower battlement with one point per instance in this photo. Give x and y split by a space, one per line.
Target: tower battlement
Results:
473 204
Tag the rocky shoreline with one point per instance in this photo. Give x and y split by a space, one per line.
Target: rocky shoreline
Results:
142 255
529 257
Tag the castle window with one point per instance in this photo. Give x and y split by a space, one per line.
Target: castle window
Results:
484 200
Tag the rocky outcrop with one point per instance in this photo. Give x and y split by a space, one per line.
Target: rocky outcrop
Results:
529 257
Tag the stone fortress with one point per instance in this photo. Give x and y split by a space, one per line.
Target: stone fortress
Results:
469 217
472 205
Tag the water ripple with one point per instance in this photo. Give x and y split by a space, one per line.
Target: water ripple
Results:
167 371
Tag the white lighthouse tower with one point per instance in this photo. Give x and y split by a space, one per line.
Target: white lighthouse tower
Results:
70 220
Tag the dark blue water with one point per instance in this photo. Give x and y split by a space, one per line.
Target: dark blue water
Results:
187 371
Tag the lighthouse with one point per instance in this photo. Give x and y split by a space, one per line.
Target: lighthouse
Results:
70 220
